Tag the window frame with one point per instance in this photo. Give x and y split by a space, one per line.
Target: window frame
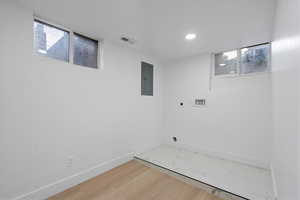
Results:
71 43
56 27
89 38
239 74
237 64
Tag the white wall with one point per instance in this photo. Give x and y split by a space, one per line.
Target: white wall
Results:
235 123
51 110
286 90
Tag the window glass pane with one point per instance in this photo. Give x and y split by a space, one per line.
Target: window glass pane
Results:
255 59
50 41
226 63
85 51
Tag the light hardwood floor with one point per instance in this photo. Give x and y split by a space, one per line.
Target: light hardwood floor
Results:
134 181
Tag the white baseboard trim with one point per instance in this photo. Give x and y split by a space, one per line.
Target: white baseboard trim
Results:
274 183
226 156
49 190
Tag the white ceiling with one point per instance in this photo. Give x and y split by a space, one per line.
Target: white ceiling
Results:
159 26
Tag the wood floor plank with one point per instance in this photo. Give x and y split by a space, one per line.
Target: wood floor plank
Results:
134 181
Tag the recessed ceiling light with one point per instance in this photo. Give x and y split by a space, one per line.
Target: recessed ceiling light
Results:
222 65
190 36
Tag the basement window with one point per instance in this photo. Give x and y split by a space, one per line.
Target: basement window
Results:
226 63
255 59
51 41
85 51
62 44
247 60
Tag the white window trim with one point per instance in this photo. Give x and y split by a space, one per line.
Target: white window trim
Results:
71 42
238 74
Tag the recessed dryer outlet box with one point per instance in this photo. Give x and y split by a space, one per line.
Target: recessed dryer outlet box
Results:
199 102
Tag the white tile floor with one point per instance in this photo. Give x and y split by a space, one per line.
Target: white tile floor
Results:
243 180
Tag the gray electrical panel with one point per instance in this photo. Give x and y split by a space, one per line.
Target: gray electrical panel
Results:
147 79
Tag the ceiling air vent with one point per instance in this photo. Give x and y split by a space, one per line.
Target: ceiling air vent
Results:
128 40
